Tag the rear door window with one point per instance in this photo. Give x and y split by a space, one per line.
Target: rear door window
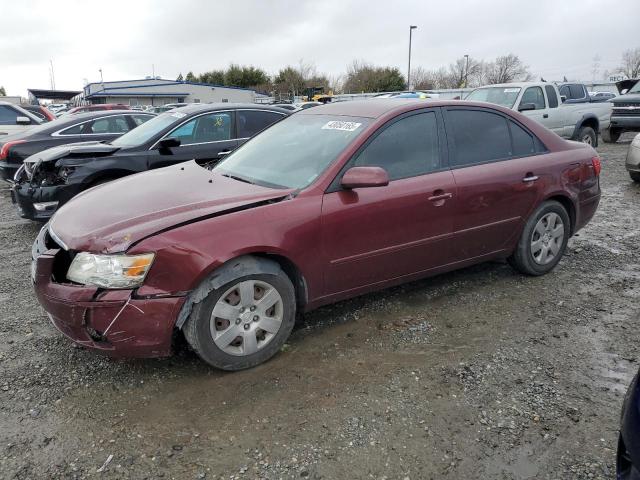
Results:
479 137
551 96
251 122
212 127
406 148
140 119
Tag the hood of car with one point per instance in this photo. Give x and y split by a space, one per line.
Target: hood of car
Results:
626 98
80 150
111 217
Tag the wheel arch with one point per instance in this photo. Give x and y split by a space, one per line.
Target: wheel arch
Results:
253 262
569 206
588 120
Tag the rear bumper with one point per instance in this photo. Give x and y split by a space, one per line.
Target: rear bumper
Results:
588 208
113 322
633 159
629 448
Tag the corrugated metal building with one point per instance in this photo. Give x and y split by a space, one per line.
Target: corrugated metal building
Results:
158 91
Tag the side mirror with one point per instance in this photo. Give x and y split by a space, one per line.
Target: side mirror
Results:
526 106
165 145
364 177
563 98
23 121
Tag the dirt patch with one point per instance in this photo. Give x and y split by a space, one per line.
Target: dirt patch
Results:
481 373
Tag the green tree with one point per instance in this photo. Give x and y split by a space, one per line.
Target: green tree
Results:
214 76
364 77
191 77
3 92
244 76
289 80
180 78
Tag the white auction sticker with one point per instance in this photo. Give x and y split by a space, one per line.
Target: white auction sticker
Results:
339 125
178 115
511 90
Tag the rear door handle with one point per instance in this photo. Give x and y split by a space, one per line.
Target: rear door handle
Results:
546 115
222 154
530 177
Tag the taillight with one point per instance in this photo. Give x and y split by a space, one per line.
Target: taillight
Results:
597 165
4 151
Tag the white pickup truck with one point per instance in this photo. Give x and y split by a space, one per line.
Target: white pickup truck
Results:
542 102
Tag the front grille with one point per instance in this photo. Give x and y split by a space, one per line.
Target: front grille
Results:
617 105
626 113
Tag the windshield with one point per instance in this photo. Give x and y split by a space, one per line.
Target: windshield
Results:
635 88
504 96
294 152
147 130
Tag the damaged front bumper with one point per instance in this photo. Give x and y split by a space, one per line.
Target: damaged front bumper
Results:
40 202
114 322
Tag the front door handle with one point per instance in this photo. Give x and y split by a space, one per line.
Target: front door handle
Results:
442 196
546 115
439 197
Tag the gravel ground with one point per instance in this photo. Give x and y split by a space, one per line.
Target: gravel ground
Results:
481 373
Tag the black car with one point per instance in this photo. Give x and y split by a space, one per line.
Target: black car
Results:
97 126
202 132
629 443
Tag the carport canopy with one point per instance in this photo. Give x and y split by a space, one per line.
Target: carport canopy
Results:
37 94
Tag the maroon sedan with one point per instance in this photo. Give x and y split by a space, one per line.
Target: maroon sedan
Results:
330 203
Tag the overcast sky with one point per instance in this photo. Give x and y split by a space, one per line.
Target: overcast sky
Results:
125 38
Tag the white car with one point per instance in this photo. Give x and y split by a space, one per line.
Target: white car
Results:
14 119
542 101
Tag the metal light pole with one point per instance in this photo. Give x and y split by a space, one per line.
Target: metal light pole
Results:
411 28
466 71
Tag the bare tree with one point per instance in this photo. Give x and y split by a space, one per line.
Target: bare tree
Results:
422 79
505 69
630 63
595 67
465 73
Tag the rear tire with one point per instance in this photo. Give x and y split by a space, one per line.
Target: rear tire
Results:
234 339
611 135
588 135
635 176
543 240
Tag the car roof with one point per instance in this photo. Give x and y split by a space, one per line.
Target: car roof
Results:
382 106
205 107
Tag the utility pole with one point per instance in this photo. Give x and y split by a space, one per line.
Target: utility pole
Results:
466 71
153 71
53 76
411 28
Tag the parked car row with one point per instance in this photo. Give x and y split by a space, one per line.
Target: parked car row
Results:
49 177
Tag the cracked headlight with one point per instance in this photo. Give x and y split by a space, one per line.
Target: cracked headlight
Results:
110 271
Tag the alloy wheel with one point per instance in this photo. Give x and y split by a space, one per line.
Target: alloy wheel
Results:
547 238
246 317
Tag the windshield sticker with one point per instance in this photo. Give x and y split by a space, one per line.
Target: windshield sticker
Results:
179 115
338 125
511 90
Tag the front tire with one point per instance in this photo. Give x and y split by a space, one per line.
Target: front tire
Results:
244 322
635 176
543 240
611 135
